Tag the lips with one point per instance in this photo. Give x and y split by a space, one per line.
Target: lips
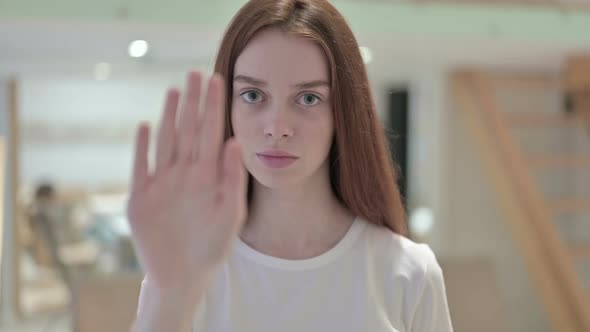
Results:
276 158
276 153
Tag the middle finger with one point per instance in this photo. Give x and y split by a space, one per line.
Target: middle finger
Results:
188 123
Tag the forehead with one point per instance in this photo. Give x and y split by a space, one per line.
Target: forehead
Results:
274 55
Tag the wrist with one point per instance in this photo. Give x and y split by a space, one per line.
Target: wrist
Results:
181 294
169 309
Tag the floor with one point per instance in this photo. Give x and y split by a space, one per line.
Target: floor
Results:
49 323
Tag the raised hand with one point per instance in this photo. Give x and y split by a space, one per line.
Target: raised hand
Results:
187 211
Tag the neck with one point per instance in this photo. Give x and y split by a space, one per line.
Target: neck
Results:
305 219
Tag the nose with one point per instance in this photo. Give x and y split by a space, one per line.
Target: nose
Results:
278 126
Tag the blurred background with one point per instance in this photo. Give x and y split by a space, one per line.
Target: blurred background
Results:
486 104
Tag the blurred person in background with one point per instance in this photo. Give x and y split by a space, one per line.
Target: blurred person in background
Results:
275 208
47 226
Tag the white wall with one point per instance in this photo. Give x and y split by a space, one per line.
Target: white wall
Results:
63 103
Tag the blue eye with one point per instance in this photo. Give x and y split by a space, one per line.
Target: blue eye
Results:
251 96
309 99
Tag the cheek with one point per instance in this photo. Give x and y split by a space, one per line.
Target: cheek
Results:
319 132
243 126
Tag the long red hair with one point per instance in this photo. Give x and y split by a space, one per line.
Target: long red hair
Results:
362 172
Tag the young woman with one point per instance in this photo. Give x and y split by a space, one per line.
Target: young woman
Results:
312 236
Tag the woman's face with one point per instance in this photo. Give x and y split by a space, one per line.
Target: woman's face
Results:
282 104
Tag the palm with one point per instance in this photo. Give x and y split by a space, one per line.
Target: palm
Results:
185 214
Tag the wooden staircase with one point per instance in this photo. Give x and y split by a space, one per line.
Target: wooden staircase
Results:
536 218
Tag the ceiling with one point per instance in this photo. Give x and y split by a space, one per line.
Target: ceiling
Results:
64 36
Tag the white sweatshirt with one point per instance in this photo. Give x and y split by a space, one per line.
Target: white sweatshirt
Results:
373 280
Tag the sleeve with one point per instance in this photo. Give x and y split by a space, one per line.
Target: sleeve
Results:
432 312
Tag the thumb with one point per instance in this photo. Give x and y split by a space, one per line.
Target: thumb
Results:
234 183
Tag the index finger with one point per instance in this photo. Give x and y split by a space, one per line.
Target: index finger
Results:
140 175
211 138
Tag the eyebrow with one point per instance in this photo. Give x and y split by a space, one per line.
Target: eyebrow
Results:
259 82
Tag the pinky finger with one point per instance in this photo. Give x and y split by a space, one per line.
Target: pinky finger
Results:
140 166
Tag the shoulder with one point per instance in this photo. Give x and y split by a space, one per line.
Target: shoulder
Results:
398 257
410 273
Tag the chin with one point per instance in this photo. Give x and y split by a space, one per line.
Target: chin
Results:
275 180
